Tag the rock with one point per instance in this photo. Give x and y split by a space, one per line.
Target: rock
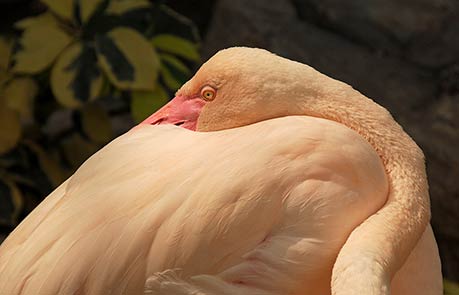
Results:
435 128
422 30
390 50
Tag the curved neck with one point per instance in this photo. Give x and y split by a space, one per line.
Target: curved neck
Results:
398 225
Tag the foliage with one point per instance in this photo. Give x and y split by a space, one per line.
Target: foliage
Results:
69 76
450 287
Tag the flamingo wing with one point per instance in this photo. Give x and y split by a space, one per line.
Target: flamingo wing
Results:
261 209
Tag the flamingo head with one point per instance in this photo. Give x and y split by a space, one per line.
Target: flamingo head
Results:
236 87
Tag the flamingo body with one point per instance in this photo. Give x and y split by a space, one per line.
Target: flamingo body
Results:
268 221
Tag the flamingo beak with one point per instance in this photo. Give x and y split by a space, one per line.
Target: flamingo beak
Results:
181 111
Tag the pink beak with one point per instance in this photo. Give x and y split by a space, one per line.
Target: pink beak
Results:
180 111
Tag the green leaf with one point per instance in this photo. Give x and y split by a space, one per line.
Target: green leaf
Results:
176 45
175 62
4 78
138 19
38 48
122 6
11 132
11 200
88 8
54 172
144 103
76 78
170 22
141 19
128 59
450 287
19 94
173 71
63 8
43 19
96 123
5 52
77 150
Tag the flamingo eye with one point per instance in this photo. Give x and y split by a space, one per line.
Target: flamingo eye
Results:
208 93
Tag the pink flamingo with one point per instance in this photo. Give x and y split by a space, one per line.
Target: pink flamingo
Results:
279 180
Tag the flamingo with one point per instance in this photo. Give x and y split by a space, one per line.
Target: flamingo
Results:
261 177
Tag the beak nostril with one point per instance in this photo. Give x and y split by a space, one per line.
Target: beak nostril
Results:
157 122
164 120
181 111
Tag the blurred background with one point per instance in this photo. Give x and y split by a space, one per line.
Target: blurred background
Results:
76 74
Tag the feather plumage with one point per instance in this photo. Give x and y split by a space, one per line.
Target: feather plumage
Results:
272 221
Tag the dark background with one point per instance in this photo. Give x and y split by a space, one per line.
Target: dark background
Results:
402 53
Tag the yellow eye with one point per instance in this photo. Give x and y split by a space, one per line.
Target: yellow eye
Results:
208 93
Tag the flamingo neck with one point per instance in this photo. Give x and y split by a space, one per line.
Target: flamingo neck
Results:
398 225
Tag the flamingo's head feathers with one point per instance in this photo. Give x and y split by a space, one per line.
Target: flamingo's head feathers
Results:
239 86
